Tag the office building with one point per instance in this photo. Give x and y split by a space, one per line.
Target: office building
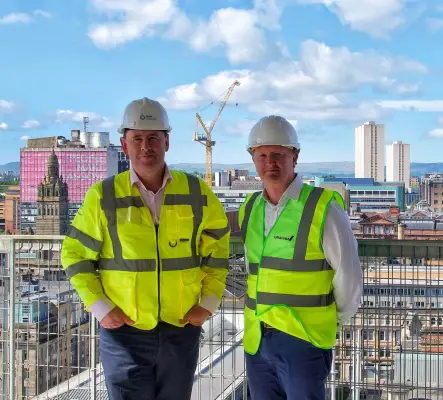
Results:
12 210
367 194
221 178
369 151
80 167
398 163
431 192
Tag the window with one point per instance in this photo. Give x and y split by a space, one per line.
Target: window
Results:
369 352
368 334
384 352
348 335
385 335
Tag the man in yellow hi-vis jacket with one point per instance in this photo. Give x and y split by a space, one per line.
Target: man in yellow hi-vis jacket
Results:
160 241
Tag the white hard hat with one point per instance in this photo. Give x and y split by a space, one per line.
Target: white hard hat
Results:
145 114
273 131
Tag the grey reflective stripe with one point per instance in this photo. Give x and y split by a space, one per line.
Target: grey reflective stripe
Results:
84 239
294 265
301 243
197 204
184 199
253 268
248 209
298 262
129 201
250 303
109 205
110 264
178 264
216 263
296 300
216 234
85 266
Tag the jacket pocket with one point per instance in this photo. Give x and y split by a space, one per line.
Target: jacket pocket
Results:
119 286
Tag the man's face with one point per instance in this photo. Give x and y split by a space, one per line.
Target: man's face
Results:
275 163
146 149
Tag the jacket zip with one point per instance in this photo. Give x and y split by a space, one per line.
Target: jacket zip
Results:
158 271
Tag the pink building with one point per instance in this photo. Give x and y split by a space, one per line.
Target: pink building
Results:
79 167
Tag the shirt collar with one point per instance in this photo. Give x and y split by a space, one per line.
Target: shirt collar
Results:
292 192
135 180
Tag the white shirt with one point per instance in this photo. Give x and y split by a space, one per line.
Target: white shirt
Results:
340 248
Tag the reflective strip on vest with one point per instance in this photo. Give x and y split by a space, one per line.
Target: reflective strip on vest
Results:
247 215
298 263
111 264
292 300
253 268
84 239
84 266
216 234
110 203
212 262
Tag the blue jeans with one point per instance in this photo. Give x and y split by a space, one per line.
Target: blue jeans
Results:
287 368
150 365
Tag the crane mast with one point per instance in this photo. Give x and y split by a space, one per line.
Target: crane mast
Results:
206 139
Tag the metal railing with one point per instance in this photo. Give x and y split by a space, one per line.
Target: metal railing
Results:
392 348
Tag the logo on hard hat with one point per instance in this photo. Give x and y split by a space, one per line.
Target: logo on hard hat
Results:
148 117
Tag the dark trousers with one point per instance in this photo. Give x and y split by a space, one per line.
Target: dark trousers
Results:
287 368
150 365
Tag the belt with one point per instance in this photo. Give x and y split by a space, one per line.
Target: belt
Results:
265 325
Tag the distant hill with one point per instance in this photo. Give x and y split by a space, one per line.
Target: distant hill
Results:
344 168
11 166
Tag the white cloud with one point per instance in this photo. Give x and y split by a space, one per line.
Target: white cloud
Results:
182 97
3 126
76 116
42 13
237 31
434 24
436 133
95 120
23 18
24 137
317 86
413 105
31 124
374 17
7 106
108 123
16 18
234 29
243 127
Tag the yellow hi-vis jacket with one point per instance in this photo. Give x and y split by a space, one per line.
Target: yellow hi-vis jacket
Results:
151 272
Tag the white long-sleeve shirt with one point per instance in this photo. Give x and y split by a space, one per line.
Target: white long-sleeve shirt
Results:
339 246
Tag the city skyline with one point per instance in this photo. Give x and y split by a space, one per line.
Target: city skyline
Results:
344 67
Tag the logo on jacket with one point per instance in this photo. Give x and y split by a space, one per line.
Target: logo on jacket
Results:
288 238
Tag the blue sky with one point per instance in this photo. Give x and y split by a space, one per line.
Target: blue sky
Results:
326 65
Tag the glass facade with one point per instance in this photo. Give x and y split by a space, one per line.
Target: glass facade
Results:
80 169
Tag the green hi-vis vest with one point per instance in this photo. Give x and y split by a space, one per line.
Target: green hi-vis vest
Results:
290 281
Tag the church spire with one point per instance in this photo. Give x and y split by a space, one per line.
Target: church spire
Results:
53 168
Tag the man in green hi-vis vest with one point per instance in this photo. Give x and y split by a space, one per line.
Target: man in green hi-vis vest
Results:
304 273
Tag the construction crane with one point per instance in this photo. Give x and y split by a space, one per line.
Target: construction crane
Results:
206 138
